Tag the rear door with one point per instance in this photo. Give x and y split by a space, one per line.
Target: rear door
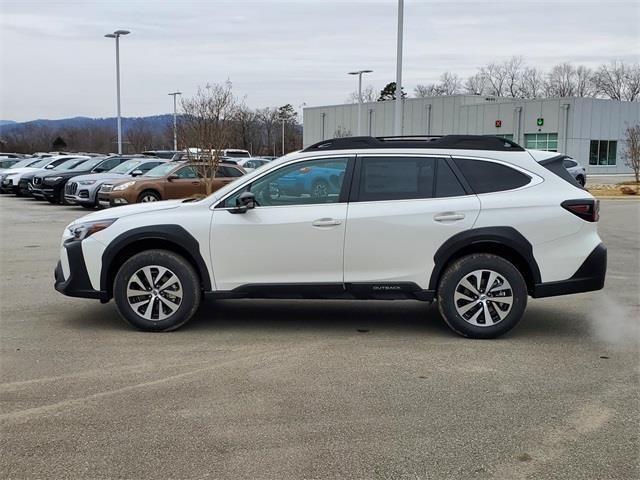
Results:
402 208
187 182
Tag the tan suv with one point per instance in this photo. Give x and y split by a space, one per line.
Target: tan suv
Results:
164 182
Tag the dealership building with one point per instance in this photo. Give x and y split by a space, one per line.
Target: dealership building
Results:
588 129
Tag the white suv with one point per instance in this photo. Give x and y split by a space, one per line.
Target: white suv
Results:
476 223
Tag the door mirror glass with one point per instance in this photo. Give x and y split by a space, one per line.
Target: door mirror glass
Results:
171 178
49 167
136 173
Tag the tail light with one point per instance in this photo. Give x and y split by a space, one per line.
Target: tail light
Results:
587 209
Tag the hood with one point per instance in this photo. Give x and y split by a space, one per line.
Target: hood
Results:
19 171
125 211
100 177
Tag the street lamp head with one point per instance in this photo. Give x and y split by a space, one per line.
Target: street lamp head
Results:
175 93
353 73
367 71
122 32
360 72
110 35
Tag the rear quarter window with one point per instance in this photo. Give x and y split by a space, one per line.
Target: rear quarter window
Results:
486 177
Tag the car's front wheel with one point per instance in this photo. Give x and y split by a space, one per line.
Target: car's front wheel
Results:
482 296
157 290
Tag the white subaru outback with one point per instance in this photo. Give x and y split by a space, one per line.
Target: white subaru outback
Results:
476 223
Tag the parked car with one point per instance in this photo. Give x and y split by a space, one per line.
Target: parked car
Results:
250 164
473 222
165 154
574 168
25 184
51 186
236 153
169 181
6 163
83 189
10 180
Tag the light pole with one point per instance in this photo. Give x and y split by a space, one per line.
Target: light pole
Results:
398 120
359 73
175 123
117 34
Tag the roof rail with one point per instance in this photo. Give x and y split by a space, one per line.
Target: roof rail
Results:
459 142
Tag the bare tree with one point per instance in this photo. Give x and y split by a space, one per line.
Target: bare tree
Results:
139 136
632 83
531 83
429 90
610 80
631 154
369 94
450 83
561 81
496 77
584 82
476 84
268 118
206 126
513 71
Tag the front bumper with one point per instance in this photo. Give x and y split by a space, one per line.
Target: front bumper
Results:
107 200
589 277
78 283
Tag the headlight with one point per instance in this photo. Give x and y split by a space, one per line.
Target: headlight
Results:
80 231
86 182
51 179
123 186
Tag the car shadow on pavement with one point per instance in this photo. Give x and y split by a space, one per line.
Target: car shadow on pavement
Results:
336 316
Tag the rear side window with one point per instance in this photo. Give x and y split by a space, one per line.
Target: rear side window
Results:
229 172
396 178
487 177
569 163
447 184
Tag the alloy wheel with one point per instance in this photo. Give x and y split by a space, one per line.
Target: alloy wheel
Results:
483 298
154 292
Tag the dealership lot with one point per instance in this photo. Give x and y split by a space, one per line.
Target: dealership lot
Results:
306 389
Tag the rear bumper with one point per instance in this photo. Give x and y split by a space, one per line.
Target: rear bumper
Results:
589 277
78 283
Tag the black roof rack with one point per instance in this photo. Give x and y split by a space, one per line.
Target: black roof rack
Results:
460 142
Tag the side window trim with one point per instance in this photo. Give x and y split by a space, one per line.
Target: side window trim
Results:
461 178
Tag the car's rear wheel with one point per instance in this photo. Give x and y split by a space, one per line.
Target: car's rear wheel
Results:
148 196
482 296
157 291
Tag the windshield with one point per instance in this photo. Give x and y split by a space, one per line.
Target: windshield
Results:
41 163
23 163
67 164
125 167
237 154
161 170
89 164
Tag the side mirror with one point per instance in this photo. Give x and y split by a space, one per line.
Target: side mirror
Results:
244 202
48 167
171 178
136 173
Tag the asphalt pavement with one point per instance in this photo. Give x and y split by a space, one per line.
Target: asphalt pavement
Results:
313 389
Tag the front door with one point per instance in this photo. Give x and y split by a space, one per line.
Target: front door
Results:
183 183
295 234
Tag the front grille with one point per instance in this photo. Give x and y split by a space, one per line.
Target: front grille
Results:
106 188
71 188
37 181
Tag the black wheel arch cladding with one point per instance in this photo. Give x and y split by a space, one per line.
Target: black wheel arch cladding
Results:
496 236
174 235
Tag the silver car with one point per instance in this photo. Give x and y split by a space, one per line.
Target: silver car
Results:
576 170
83 189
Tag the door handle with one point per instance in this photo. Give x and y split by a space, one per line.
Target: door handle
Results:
448 217
326 222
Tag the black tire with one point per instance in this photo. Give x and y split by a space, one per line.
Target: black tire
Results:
462 269
52 200
88 206
580 179
61 199
180 267
148 193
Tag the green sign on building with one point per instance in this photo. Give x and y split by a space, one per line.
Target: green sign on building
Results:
540 122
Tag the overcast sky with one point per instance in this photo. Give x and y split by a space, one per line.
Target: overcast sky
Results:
55 62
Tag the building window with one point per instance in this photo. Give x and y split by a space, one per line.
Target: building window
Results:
603 152
541 141
506 136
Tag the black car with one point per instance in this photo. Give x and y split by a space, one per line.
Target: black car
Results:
50 186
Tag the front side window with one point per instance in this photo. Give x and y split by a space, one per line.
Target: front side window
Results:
227 172
109 164
303 183
160 170
396 178
487 177
187 172
603 152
